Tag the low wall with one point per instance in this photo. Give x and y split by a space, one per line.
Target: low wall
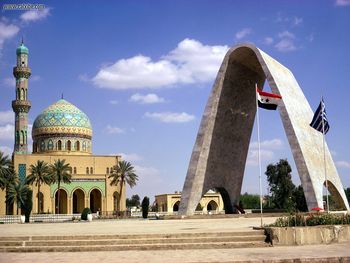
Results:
309 235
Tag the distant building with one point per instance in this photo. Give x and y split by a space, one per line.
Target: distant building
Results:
170 203
61 131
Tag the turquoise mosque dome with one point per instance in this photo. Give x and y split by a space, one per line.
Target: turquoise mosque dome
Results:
62 127
22 49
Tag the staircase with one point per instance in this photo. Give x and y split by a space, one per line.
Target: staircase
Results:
252 238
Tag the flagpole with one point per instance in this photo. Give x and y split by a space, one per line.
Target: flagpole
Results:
259 159
324 153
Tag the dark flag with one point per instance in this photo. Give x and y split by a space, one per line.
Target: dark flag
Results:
267 101
320 115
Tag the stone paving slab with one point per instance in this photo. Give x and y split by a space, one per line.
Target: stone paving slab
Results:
314 253
133 226
339 252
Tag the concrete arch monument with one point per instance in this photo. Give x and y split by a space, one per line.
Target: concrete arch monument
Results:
220 151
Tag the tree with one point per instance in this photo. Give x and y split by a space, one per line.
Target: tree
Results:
28 205
145 206
123 172
280 182
299 199
60 172
39 174
347 193
17 193
133 201
5 170
250 201
8 176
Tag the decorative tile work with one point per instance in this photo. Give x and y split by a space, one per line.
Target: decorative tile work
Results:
86 185
22 172
62 117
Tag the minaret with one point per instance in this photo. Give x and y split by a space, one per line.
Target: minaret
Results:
21 104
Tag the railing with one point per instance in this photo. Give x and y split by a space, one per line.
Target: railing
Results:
56 218
10 219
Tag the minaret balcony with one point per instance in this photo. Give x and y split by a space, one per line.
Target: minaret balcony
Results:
20 72
21 105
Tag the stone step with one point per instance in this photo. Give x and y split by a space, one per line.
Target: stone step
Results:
137 236
73 242
168 246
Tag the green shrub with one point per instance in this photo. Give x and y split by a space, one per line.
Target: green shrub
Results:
312 219
145 207
27 206
85 212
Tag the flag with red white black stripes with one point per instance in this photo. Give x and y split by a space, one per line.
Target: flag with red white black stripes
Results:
268 101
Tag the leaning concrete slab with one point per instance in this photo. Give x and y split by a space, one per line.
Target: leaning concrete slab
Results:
220 152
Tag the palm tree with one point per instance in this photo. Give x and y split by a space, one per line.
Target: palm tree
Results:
5 169
17 193
8 175
39 174
123 172
60 172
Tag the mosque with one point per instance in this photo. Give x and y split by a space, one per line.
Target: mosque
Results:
61 131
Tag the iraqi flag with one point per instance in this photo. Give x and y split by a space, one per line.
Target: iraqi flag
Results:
268 101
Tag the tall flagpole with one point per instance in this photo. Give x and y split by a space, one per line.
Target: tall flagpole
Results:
324 153
259 159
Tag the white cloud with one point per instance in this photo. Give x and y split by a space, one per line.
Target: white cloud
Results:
6 150
285 45
170 117
10 82
265 155
297 21
7 31
286 34
7 117
34 15
268 144
150 98
342 2
342 164
268 40
190 62
131 157
267 149
83 77
114 130
7 132
243 33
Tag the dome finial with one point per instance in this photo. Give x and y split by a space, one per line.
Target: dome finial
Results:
22 41
62 96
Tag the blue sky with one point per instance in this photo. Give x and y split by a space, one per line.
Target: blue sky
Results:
143 70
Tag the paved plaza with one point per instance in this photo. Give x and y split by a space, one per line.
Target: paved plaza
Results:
312 253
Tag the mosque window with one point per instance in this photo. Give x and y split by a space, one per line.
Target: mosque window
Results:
84 146
75 170
91 170
107 170
17 137
42 146
69 145
22 94
59 145
22 137
77 146
87 170
34 147
50 145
